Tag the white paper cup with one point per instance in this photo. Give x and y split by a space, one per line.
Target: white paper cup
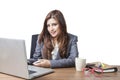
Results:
80 63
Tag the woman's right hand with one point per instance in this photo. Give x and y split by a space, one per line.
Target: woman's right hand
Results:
42 63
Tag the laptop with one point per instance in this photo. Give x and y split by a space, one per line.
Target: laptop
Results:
13 60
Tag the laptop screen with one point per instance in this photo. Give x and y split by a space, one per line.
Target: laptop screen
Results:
13 59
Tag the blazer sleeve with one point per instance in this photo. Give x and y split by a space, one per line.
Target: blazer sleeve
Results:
70 60
37 54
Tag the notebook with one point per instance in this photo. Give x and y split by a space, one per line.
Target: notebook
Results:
13 60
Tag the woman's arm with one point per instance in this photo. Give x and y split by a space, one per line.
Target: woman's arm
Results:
37 54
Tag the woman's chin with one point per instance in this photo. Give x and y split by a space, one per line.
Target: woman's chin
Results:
54 36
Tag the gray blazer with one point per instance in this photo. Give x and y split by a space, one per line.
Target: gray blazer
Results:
69 61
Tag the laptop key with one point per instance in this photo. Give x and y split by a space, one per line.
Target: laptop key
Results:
31 72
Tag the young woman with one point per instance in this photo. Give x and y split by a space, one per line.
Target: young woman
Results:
55 47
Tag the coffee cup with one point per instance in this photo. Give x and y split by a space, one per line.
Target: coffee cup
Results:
80 63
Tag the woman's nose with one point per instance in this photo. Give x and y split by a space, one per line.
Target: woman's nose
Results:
51 28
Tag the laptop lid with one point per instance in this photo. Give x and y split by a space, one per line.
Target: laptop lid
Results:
13 60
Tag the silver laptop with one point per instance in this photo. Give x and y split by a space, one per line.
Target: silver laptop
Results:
13 60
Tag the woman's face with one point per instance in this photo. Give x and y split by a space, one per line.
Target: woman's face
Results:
53 27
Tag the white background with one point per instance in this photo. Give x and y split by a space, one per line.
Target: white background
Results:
95 22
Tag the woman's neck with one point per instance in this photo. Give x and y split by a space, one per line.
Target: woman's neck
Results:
54 41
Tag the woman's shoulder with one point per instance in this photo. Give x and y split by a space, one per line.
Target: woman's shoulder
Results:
72 37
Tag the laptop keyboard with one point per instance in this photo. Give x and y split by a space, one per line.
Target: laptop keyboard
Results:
31 72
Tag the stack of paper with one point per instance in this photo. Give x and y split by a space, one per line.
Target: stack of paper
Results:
102 67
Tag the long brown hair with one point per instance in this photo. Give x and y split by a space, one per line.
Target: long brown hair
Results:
63 38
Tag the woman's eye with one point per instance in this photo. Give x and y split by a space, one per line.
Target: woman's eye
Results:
48 25
54 24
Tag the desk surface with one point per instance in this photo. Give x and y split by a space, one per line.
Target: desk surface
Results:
67 74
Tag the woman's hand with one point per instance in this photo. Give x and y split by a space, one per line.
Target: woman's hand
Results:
42 63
